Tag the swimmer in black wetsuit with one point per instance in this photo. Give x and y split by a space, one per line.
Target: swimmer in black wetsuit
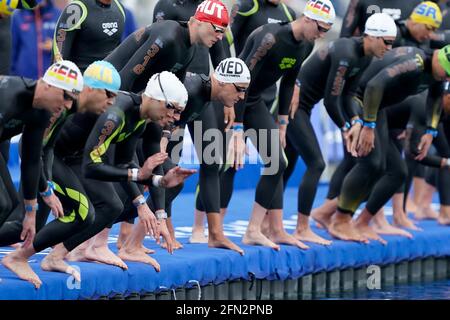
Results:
331 73
101 82
26 108
272 52
88 31
382 85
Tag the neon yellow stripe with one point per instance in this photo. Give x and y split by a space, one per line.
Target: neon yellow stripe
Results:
251 11
274 105
96 154
229 36
68 219
121 9
286 11
285 157
58 188
197 191
82 200
125 135
56 52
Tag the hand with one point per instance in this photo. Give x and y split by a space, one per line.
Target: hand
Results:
163 144
366 141
148 219
295 101
28 229
150 164
283 135
166 235
236 150
46 45
351 138
175 176
424 146
54 204
229 117
402 135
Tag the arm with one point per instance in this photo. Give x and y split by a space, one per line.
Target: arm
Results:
434 107
15 37
351 19
333 100
239 15
163 11
66 30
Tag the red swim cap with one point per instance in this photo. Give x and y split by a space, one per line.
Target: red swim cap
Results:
212 11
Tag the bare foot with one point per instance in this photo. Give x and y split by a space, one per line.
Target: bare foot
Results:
402 221
139 256
341 227
103 254
285 238
444 220
308 235
51 263
367 231
16 245
198 237
322 217
224 242
22 269
425 213
391 230
77 255
303 231
257 238
176 245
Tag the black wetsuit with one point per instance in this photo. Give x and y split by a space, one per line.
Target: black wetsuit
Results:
331 73
88 30
359 11
17 115
382 171
248 15
271 53
163 46
84 145
182 10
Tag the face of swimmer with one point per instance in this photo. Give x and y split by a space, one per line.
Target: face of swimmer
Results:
378 46
162 112
314 29
98 100
229 93
209 33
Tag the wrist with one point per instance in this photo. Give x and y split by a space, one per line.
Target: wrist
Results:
31 208
432 131
139 201
133 174
157 180
357 121
49 191
161 214
370 124
238 127
346 127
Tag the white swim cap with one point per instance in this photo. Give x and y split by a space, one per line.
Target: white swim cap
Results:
64 75
320 10
232 70
165 86
381 25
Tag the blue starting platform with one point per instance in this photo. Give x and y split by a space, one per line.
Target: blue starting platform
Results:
196 264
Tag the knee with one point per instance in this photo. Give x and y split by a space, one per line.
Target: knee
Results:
116 207
317 166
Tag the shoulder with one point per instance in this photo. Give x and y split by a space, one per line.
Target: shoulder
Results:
247 7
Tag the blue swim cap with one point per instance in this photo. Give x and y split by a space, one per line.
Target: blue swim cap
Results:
102 75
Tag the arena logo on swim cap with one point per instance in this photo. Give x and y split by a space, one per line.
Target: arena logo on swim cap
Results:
212 11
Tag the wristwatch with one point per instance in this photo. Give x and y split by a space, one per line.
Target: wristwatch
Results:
161 215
